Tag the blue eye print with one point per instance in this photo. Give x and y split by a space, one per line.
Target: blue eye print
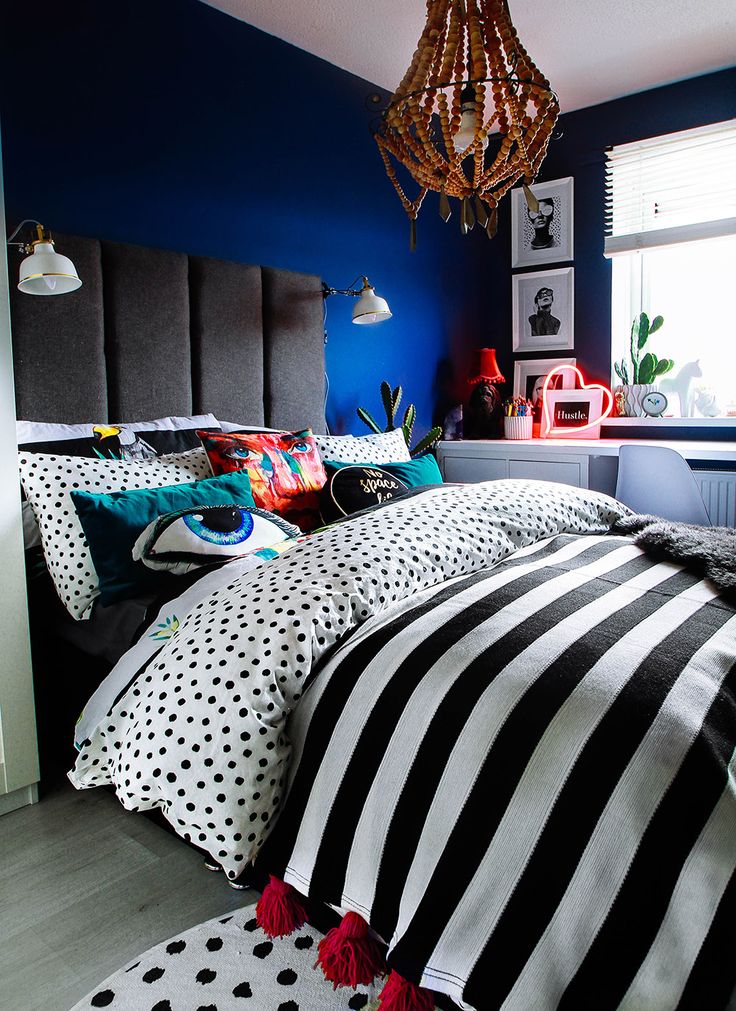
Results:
240 453
221 526
299 447
218 531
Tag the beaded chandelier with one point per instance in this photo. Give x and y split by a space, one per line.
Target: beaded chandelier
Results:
471 117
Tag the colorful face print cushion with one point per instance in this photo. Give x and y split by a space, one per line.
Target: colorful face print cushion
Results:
282 467
183 540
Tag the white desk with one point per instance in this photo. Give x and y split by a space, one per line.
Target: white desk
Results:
589 463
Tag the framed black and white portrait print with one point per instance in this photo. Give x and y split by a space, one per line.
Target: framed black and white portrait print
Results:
543 310
529 376
544 235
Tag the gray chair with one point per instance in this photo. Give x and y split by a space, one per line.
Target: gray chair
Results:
657 480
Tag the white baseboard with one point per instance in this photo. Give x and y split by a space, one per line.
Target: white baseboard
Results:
19 798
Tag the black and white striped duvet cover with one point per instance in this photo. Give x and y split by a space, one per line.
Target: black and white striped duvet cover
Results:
523 779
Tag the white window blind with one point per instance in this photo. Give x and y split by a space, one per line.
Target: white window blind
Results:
676 188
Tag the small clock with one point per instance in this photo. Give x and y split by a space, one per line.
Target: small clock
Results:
654 404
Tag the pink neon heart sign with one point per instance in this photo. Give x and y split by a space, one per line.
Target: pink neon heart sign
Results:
548 428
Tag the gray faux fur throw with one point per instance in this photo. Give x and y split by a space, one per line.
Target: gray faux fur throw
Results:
710 551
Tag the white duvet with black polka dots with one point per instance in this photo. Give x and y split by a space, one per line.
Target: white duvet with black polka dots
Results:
201 733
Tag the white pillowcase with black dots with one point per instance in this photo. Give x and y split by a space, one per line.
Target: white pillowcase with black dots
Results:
388 447
201 732
48 482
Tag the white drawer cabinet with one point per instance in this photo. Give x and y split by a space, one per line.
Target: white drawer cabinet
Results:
589 463
491 461
460 469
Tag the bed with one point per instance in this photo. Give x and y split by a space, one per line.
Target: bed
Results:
474 717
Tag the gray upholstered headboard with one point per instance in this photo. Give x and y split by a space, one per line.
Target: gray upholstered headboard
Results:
153 333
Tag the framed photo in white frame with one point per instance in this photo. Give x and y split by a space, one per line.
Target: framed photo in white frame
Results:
545 236
529 376
544 310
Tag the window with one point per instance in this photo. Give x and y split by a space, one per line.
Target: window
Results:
671 231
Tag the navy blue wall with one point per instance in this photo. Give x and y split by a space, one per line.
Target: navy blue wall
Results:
168 123
580 152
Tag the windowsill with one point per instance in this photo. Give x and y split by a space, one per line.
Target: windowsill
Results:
669 422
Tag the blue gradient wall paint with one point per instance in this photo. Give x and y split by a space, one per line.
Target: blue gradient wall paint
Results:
580 152
183 128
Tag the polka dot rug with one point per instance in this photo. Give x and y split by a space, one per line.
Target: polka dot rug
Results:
229 964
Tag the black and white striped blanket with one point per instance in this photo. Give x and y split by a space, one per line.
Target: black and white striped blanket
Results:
523 779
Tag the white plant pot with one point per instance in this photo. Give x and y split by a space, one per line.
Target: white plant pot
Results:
633 396
519 427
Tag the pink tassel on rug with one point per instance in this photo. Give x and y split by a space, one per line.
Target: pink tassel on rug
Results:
279 910
348 955
400 995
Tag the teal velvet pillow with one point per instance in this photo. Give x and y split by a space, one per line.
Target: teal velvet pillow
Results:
113 522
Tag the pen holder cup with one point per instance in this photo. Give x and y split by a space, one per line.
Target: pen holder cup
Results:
519 427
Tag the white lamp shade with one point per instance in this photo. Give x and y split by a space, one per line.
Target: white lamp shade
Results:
370 308
46 272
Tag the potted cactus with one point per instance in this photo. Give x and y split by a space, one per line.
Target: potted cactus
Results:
391 399
646 368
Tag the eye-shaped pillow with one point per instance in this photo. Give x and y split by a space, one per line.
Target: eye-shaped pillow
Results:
183 540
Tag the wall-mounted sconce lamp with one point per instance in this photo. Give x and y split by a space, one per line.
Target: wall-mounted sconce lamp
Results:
370 308
43 271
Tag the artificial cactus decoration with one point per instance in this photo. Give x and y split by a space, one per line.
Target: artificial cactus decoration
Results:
391 399
646 368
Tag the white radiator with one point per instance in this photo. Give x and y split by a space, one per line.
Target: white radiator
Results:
718 489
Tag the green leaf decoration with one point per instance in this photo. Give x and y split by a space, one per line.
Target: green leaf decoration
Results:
644 370
396 399
643 330
368 420
431 439
388 404
410 417
664 365
621 371
647 368
634 350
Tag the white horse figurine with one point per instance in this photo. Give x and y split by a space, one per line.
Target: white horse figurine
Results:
680 384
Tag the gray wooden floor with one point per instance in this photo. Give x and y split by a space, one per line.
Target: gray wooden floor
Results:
84 888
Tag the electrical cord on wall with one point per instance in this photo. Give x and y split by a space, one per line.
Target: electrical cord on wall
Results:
327 378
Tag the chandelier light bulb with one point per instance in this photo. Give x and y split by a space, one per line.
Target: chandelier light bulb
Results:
466 134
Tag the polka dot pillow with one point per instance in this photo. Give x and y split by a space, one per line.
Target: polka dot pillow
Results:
388 447
48 482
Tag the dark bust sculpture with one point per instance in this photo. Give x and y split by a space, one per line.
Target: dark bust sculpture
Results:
483 418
